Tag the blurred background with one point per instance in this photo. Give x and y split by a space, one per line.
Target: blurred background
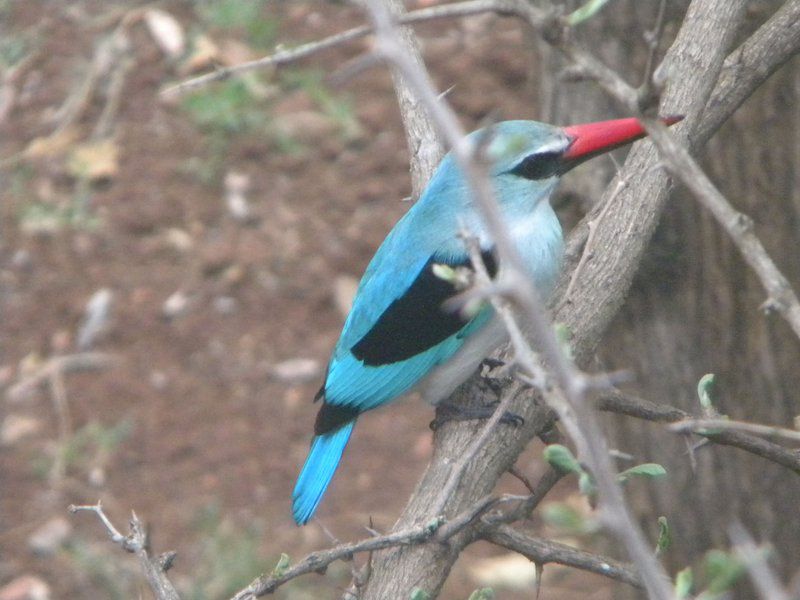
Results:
174 272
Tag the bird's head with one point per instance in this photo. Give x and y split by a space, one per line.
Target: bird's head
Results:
527 159
537 151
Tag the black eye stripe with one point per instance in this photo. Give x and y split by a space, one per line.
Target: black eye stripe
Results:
538 166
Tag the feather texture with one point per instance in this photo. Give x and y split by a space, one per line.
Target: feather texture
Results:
397 335
323 458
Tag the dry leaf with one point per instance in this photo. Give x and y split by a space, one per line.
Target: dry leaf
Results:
204 54
94 160
167 32
52 145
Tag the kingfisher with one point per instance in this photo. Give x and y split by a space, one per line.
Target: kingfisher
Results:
401 334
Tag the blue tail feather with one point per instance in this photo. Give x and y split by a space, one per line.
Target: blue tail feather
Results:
323 458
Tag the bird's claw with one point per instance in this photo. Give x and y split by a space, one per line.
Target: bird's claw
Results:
452 412
492 363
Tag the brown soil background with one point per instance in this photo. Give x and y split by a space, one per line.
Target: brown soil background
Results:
212 430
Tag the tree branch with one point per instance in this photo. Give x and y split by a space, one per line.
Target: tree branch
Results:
659 413
283 57
751 64
701 425
155 568
541 552
437 531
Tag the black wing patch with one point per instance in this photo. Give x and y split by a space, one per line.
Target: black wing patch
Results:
416 321
330 417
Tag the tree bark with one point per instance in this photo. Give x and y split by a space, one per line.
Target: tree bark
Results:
694 308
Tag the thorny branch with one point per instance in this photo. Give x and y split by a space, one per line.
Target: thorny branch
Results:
439 531
136 542
542 552
709 425
660 413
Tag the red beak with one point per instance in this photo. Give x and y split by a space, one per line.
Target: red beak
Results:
591 139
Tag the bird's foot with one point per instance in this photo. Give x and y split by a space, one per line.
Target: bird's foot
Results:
491 385
492 363
454 412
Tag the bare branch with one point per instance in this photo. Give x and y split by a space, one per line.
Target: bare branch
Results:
155 568
524 509
751 64
84 361
649 411
282 57
437 529
701 425
542 551
459 465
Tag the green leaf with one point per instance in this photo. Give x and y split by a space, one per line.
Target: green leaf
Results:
282 566
585 12
651 470
561 458
684 581
704 388
722 570
419 594
433 525
664 536
587 485
482 594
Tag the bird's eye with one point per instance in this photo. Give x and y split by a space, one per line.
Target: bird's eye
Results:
538 166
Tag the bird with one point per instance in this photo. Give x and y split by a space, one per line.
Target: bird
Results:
401 335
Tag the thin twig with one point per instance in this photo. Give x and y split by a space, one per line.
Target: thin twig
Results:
136 542
58 394
83 361
660 413
703 426
781 296
460 9
524 509
542 551
437 529
475 446
652 39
